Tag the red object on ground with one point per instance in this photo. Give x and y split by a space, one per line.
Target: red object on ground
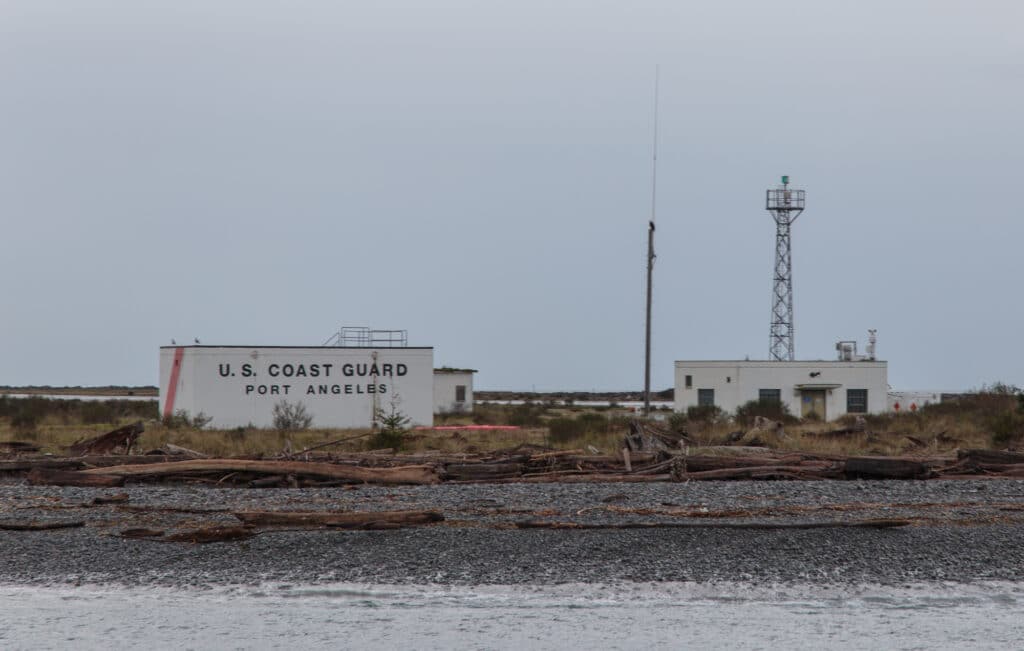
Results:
483 427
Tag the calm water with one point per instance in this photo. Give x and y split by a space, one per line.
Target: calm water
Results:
668 616
83 398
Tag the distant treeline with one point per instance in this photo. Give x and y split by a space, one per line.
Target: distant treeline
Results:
111 390
574 396
25 414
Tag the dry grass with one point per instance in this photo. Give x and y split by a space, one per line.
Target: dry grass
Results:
54 437
908 434
930 433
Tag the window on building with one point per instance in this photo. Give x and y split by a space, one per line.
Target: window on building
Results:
689 381
460 393
769 395
706 397
856 401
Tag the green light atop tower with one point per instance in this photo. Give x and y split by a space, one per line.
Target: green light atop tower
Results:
785 180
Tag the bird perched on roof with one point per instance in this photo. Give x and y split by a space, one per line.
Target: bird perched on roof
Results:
174 343
197 340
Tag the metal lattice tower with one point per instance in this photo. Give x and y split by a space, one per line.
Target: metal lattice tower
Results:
785 205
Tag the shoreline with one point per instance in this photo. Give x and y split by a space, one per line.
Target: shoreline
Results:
962 532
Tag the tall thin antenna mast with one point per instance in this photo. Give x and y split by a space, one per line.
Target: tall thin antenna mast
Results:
785 205
650 253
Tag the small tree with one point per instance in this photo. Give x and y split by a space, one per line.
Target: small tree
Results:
393 426
291 416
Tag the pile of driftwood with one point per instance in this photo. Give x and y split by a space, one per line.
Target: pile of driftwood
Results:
524 464
648 454
254 523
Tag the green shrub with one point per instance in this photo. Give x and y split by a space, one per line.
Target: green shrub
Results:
181 419
6 406
677 422
771 409
25 422
96 412
999 397
75 411
619 421
526 415
485 415
592 422
1006 427
385 439
705 414
564 430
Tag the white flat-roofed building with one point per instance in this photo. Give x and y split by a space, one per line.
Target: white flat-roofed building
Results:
829 389
453 390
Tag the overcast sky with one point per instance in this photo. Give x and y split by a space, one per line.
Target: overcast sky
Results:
479 173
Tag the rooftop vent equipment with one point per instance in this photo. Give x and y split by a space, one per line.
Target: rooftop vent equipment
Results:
848 349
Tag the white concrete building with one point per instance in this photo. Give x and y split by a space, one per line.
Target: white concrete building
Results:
341 387
453 390
828 388
904 401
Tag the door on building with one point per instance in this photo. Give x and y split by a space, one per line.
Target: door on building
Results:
812 402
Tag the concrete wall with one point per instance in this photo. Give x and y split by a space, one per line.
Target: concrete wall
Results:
738 382
445 383
238 385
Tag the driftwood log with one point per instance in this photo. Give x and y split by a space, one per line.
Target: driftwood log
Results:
18 446
341 520
40 526
273 481
138 532
585 478
885 468
701 463
78 463
122 437
106 500
482 471
211 535
990 457
764 472
47 477
400 475
869 524
176 451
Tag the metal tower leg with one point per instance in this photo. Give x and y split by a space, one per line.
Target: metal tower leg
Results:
781 343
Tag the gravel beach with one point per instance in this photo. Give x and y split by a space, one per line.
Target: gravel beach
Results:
960 531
